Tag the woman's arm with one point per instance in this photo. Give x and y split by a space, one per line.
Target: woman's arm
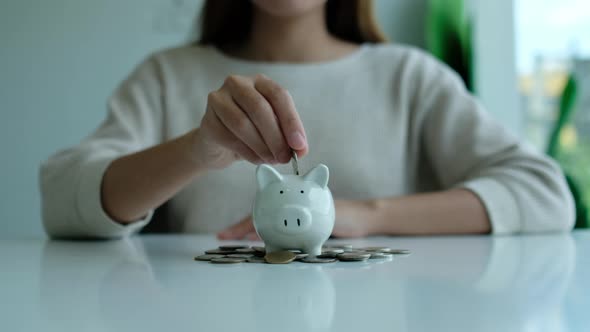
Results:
109 185
457 211
247 118
489 181
141 181
465 148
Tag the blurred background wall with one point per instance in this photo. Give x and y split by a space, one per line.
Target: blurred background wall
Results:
60 60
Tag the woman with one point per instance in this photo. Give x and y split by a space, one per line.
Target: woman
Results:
409 149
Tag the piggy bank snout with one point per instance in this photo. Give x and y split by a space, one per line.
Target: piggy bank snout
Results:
293 219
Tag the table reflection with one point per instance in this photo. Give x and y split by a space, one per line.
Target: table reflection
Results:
471 283
122 287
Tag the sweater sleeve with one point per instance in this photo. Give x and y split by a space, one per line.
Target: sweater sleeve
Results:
522 190
70 180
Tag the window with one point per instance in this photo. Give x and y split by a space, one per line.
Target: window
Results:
551 38
553 52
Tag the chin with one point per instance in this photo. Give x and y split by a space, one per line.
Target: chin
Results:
286 8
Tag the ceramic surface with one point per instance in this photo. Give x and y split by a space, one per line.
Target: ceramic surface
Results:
293 212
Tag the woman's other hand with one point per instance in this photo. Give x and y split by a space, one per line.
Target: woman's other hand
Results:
250 118
353 219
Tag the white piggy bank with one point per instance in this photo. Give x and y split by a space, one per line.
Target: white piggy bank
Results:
293 212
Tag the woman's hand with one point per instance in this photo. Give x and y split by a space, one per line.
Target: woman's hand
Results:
251 118
353 219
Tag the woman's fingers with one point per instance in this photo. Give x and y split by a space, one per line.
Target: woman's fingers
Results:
256 119
238 231
284 109
228 140
253 236
234 119
261 113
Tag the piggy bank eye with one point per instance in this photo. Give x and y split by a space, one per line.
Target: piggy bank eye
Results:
302 191
281 191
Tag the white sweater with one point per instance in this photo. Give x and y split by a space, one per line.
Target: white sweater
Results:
388 120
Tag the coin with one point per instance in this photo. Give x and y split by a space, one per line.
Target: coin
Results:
300 256
208 257
240 255
353 256
227 254
381 255
332 251
343 246
255 259
233 246
219 252
399 251
376 249
295 163
280 257
326 256
245 250
227 260
316 259
259 251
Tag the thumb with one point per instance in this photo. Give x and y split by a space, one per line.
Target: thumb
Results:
237 231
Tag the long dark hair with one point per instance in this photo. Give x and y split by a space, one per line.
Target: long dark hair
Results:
225 22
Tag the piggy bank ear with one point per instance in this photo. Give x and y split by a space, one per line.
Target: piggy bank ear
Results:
265 175
319 174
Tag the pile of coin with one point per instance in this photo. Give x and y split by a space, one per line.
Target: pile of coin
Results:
228 254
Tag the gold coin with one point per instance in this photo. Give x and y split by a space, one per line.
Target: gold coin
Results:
280 257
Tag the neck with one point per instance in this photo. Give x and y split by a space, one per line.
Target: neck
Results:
303 38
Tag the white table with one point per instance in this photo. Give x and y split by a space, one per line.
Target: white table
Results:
151 283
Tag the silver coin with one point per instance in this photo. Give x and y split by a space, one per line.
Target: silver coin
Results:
208 257
233 246
381 255
376 249
353 256
255 259
245 250
240 255
227 260
399 251
332 251
259 251
326 256
300 256
358 251
329 254
344 246
219 252
295 162
316 259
